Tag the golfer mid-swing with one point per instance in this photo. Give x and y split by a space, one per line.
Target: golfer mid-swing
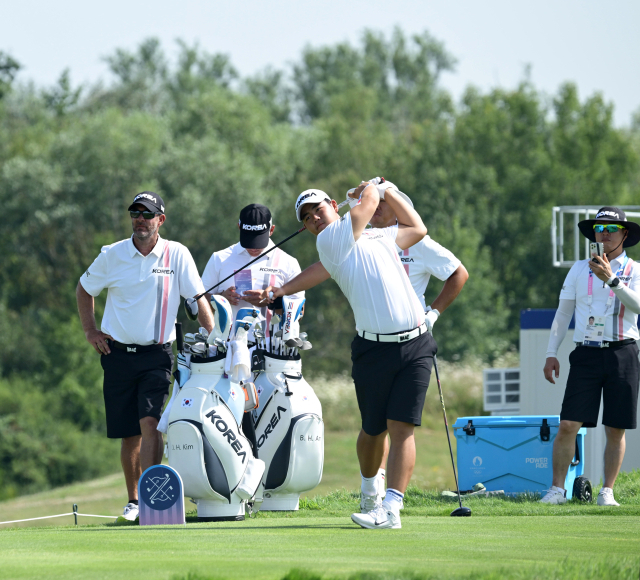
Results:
393 352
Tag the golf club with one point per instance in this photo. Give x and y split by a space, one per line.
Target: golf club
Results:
459 511
191 304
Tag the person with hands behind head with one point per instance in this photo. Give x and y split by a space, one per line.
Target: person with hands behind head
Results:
145 277
604 363
392 353
244 288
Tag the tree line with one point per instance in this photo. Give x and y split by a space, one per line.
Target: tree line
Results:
484 173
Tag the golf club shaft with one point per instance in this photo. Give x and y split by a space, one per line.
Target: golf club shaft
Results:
446 427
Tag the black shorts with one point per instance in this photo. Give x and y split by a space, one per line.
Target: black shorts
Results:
611 373
136 385
391 380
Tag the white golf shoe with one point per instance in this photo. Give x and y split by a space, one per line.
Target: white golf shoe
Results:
130 513
555 495
605 497
369 503
379 518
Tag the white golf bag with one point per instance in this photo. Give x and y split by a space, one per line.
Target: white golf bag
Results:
289 432
205 442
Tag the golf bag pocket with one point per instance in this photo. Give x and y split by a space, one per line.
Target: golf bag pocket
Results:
194 459
251 479
250 397
297 463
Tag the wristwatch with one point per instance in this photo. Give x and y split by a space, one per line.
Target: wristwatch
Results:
614 282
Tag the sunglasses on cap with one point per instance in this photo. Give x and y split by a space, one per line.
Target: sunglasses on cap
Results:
148 215
611 228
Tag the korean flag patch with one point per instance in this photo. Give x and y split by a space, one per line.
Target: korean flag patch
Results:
187 402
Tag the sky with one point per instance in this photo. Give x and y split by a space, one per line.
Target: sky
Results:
594 44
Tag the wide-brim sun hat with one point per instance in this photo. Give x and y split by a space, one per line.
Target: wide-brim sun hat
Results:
612 215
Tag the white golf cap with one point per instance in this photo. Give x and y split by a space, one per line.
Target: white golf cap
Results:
310 196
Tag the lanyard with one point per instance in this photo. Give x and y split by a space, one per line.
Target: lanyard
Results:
620 272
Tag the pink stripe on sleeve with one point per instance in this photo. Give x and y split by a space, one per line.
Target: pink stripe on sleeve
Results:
165 294
627 272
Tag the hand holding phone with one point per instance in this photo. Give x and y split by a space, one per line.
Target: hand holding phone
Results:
596 248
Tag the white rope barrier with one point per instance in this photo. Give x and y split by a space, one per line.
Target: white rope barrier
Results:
58 516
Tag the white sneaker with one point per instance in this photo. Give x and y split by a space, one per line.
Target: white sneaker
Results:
369 503
379 518
130 513
555 495
605 497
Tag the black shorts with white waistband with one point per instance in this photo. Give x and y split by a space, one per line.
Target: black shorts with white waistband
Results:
608 373
391 380
136 385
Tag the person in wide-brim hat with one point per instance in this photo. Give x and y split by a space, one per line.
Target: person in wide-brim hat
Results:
611 215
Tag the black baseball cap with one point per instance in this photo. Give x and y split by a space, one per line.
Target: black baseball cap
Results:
152 201
254 223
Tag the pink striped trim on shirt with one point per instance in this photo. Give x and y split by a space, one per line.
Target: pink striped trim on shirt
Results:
165 293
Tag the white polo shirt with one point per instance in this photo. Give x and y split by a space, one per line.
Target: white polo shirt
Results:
425 259
620 323
371 276
143 291
275 269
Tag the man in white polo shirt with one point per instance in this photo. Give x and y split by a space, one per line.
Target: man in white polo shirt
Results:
145 277
244 289
421 261
393 352
604 294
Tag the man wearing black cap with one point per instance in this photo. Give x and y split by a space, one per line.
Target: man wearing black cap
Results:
605 360
243 289
145 277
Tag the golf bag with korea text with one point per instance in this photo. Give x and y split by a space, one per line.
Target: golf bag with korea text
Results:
289 432
205 442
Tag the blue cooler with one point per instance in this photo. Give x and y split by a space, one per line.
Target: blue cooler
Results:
513 454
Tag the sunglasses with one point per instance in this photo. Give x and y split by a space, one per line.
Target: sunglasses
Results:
148 215
611 228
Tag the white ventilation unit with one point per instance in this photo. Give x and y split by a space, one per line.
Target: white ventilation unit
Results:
501 390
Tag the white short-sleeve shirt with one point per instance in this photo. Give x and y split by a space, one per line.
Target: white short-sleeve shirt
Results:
425 259
143 291
371 276
275 269
620 322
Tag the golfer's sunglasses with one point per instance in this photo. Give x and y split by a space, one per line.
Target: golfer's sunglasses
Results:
148 215
611 228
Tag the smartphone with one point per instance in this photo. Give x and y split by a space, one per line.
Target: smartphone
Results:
596 248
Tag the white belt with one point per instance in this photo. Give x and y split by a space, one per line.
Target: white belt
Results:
400 337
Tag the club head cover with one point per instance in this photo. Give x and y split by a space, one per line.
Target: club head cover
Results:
222 318
191 308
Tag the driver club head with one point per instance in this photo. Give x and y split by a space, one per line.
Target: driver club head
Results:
461 512
191 308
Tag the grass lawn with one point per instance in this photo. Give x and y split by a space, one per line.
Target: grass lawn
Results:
505 538
477 547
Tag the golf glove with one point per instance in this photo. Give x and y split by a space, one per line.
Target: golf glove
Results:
382 185
431 315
